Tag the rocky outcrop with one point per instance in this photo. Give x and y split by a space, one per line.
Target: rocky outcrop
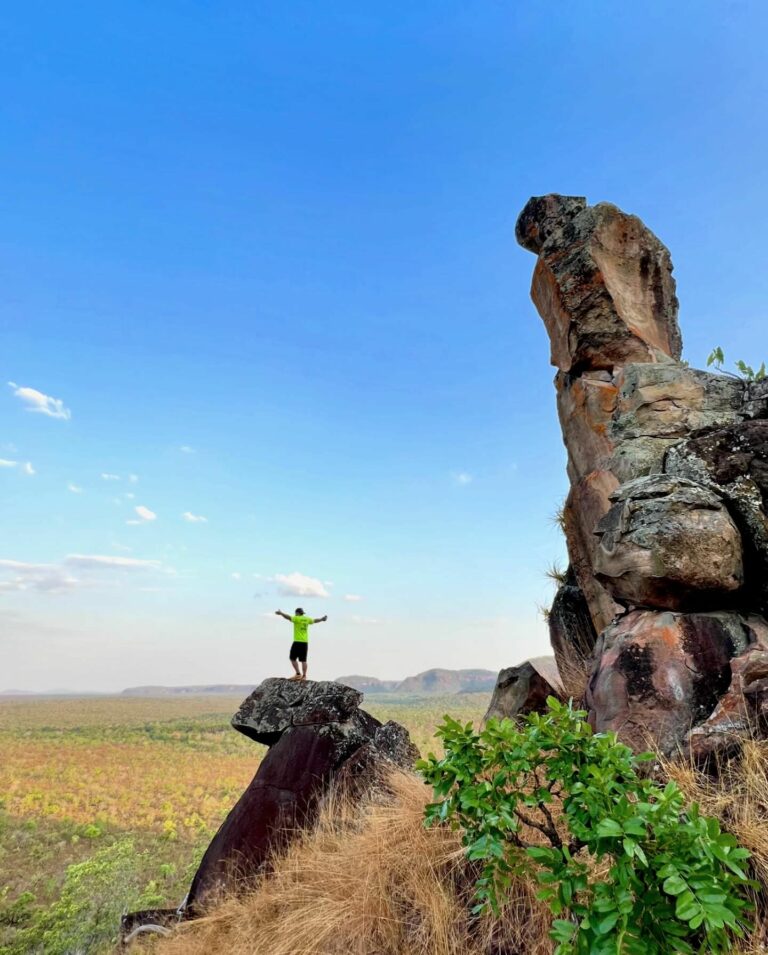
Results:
524 689
319 739
742 712
666 520
733 463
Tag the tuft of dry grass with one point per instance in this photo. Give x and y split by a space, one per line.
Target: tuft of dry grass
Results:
557 574
369 879
574 675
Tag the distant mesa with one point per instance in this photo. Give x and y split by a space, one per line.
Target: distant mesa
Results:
369 684
434 681
430 682
213 689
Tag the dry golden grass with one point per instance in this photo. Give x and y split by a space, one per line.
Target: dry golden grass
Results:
369 880
573 678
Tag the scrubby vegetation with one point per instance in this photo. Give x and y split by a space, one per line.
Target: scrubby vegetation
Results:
90 783
747 372
370 879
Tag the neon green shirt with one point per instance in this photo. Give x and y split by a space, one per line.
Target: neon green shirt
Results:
300 627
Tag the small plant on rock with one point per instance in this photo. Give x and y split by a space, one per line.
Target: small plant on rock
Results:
747 372
625 866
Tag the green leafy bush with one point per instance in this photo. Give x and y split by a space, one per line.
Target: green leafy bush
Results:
623 864
86 916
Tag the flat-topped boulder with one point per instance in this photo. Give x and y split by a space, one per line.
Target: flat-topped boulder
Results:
277 704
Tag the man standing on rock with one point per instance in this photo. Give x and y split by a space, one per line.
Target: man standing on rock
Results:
300 645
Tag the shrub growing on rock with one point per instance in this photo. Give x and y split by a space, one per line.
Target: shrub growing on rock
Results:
625 866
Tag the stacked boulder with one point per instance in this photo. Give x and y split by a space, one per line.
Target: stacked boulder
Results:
319 741
665 520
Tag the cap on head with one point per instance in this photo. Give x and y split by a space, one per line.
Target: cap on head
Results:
299 612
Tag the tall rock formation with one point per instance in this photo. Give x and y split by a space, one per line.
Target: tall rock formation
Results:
666 518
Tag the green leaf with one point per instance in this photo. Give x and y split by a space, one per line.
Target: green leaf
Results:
686 906
609 828
606 924
674 885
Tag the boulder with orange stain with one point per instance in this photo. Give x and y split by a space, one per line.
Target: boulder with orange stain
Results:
658 674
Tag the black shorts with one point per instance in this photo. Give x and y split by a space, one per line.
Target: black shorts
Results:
299 651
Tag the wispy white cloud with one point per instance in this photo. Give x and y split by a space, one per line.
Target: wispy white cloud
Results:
191 518
129 495
352 598
185 449
24 467
105 476
133 478
299 585
144 515
462 478
365 621
17 575
72 572
36 401
75 488
237 575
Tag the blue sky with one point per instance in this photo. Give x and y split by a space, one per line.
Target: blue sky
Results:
263 255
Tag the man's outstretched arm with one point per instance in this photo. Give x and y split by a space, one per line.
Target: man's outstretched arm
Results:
287 616
321 619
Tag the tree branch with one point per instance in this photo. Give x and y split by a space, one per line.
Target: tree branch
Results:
549 831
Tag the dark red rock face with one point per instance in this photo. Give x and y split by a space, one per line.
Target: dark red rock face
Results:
658 674
279 800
